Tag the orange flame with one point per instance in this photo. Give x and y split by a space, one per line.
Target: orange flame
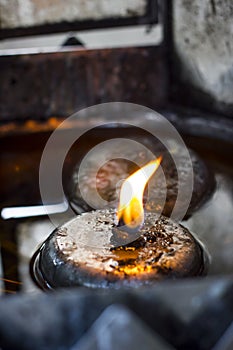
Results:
130 209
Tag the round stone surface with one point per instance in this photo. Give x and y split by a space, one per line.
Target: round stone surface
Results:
88 251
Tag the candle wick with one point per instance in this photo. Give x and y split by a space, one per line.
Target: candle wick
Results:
124 227
123 234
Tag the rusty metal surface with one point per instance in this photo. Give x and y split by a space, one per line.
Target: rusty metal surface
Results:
58 84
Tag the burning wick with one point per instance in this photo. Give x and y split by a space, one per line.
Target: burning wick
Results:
93 250
104 181
130 213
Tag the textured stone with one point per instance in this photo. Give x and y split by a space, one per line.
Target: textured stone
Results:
23 13
203 34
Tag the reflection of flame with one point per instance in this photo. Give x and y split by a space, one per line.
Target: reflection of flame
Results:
130 210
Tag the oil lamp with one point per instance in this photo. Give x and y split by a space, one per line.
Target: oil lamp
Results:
114 248
106 180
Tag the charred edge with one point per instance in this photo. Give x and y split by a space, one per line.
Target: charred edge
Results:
123 227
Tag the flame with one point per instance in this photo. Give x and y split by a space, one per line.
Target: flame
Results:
130 210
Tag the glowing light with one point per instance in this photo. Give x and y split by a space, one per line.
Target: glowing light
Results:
36 210
130 210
